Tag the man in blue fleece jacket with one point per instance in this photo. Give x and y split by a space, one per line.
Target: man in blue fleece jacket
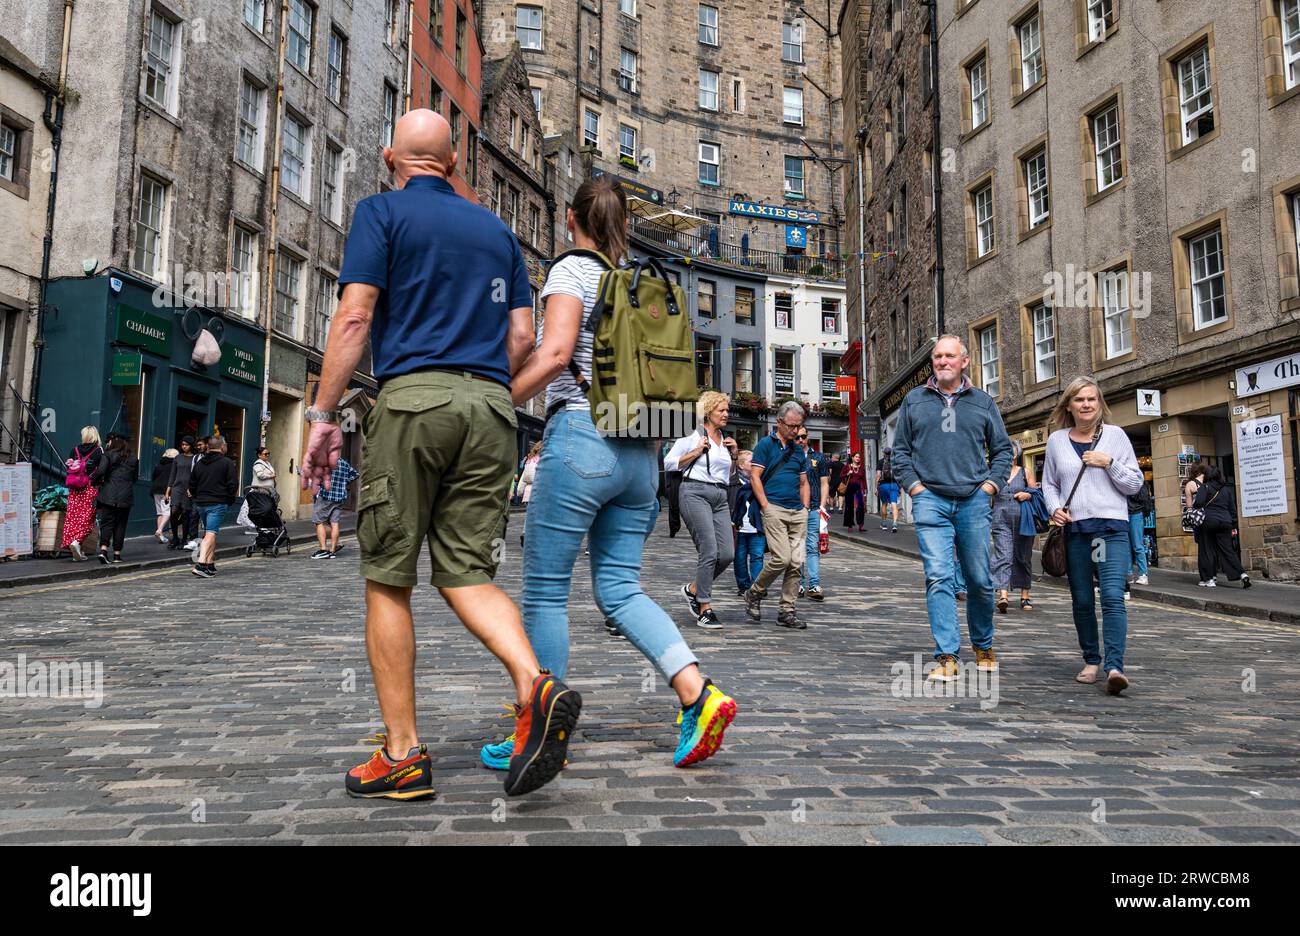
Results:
951 454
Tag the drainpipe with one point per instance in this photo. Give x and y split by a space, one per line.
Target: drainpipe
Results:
937 177
410 30
862 269
273 225
53 120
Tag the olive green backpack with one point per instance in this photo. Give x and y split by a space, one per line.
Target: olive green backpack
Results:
643 352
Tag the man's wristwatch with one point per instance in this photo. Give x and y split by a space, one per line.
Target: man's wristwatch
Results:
325 416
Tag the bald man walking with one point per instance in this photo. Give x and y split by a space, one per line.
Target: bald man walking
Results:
439 287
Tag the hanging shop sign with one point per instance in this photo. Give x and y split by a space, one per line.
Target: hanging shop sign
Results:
1148 402
632 187
139 329
126 369
1270 375
241 365
774 212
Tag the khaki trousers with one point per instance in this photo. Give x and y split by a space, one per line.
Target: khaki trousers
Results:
786 530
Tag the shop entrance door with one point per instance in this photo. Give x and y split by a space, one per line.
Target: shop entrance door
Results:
230 423
191 416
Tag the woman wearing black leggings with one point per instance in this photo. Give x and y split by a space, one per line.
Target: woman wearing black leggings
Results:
1215 551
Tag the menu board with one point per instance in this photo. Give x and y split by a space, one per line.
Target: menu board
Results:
15 509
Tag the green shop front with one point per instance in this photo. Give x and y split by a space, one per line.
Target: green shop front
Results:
118 356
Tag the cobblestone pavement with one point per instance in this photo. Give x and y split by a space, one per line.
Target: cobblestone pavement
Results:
232 708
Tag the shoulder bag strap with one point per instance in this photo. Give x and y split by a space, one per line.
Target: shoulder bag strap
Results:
772 469
1079 477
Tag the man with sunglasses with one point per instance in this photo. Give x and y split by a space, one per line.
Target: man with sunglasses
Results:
780 478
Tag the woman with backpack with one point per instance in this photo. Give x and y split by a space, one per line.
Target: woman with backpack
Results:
85 469
1215 550
178 494
599 487
116 495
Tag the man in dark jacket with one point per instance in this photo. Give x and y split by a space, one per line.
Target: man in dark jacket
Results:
214 482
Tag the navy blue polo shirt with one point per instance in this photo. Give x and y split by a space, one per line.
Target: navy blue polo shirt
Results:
819 466
781 486
449 272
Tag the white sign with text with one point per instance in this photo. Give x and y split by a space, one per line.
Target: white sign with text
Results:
1260 467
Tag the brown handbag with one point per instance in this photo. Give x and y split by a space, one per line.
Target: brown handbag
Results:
1055 562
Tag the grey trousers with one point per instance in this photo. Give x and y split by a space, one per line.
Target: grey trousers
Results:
705 512
1010 563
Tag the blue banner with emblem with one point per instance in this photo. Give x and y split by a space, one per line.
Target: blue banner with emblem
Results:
796 236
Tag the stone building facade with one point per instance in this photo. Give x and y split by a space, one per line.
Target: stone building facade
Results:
446 75
705 103
1123 202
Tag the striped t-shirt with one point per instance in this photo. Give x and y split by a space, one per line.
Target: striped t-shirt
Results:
578 277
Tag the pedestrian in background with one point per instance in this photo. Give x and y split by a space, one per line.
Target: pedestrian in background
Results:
162 473
264 480
85 470
1215 550
810 578
1095 461
1139 505
328 507
116 495
672 489
214 484
528 472
887 487
747 518
836 499
178 495
706 460
854 481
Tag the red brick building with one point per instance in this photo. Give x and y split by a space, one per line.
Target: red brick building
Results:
447 77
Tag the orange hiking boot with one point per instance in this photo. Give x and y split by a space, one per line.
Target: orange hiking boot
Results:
543 728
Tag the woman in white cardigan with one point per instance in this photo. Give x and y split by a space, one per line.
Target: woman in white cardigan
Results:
1096 522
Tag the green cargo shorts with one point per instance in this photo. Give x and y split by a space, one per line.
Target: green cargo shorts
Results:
438 459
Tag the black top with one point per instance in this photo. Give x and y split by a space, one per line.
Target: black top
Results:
1219 502
118 481
213 480
162 474
836 469
96 461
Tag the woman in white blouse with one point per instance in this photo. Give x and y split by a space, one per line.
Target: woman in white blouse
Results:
706 458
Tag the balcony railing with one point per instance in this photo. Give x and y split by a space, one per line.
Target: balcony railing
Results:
760 261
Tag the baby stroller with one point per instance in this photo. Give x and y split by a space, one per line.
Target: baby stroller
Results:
271 534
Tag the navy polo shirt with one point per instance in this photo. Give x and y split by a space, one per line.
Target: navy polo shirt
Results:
449 272
781 486
819 466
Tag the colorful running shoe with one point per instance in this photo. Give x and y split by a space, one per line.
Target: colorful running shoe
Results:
543 729
409 778
702 725
497 756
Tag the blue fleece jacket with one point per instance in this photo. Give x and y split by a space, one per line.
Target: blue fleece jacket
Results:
951 449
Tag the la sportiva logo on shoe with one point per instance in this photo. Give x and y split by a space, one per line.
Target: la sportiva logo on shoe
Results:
76 889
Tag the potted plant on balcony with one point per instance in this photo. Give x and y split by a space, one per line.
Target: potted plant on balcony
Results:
834 409
750 404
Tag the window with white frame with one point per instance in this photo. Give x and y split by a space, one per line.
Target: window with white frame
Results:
900 216
537 100
392 14
8 153
295 156
628 7
1289 13
590 128
990 369
1116 313
783 373
286 314
1031 51
1295 215
792 43
627 70
1209 296
1044 323
783 303
528 27
1195 96
978 79
705 294
252 117
1106 146
793 106
243 267
900 111
794 176
302 25
162 51
336 66
982 199
708 90
627 143
255 14
327 301
738 95
710 157
1101 16
332 184
150 215
830 316
1034 167
708 20
390 114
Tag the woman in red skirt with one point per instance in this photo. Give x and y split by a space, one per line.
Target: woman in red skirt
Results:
80 518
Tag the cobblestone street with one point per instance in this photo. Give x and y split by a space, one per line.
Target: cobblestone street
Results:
232 707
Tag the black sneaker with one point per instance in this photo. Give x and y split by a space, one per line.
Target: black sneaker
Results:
753 605
791 620
321 554
204 571
690 599
612 629
708 620
803 592
1245 580
741 592
103 558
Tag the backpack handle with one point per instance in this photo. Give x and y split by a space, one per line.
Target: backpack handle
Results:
654 264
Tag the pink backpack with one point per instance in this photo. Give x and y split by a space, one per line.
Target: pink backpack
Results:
78 473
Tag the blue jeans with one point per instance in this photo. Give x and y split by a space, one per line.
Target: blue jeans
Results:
1137 538
942 523
1114 554
749 558
811 576
605 490
211 516
956 570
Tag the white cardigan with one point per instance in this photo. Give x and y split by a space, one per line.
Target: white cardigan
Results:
1103 492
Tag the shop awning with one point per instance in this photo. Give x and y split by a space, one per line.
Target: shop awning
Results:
851 358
